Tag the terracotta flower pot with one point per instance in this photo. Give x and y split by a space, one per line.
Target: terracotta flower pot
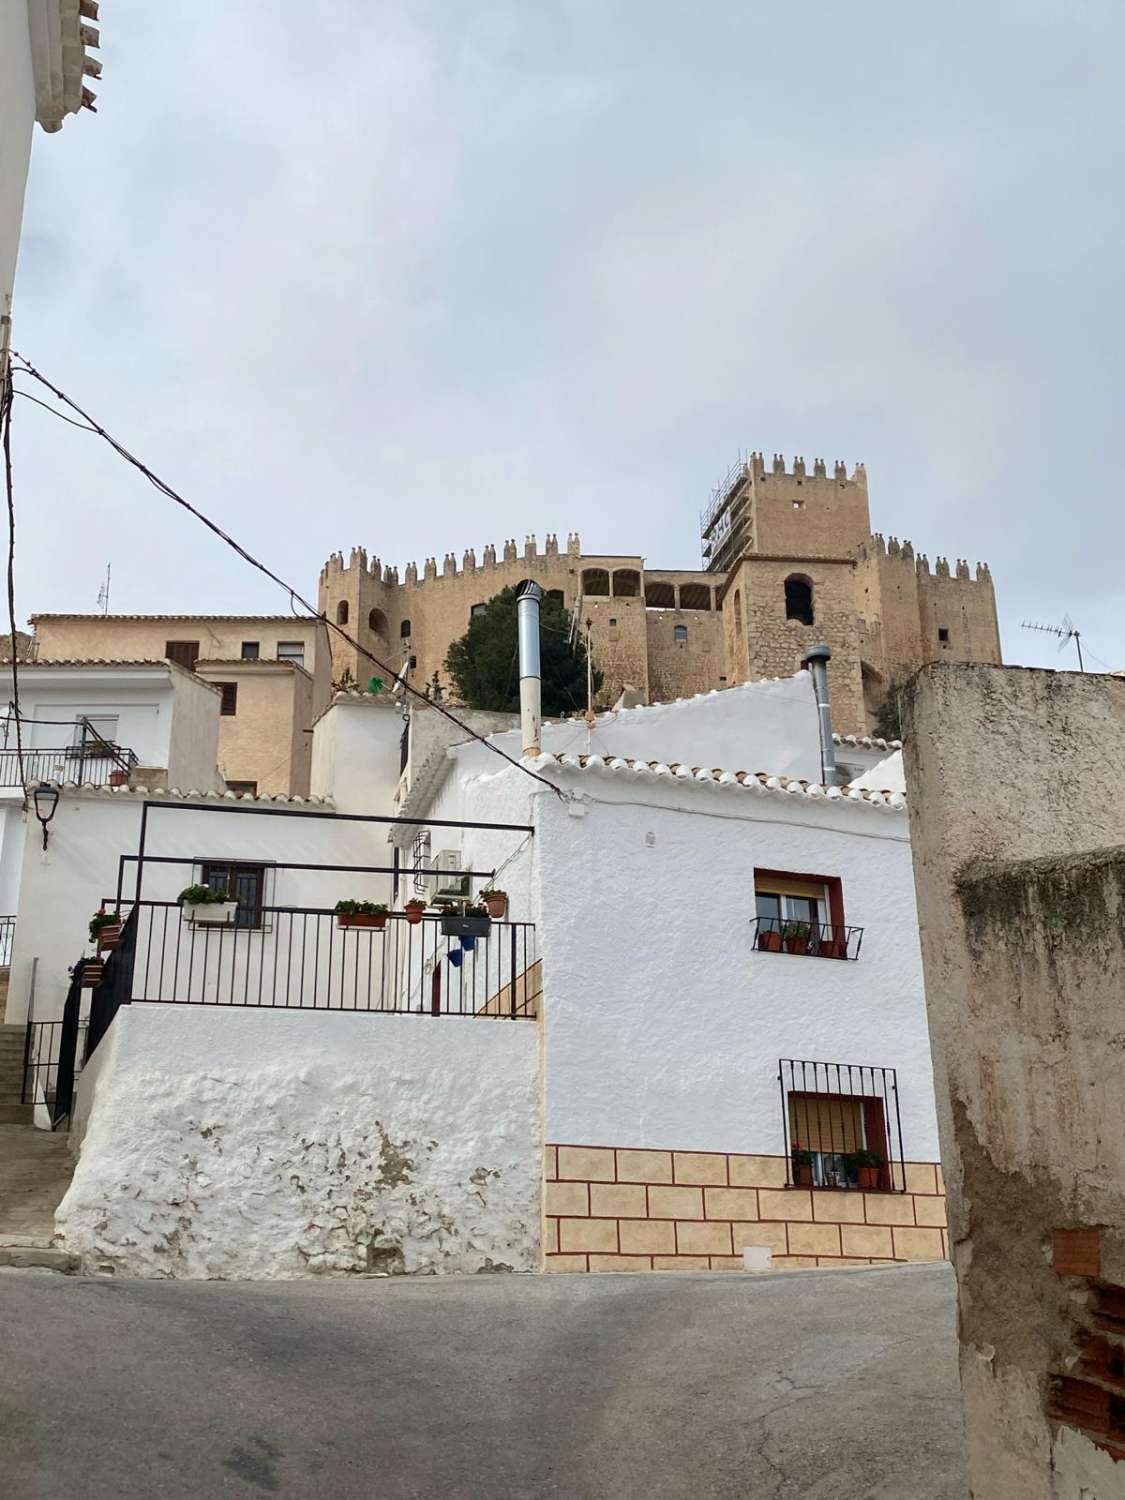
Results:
769 942
376 919
496 906
413 911
867 1177
119 778
109 937
802 1176
92 971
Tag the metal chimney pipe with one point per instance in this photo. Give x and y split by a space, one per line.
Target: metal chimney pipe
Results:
528 597
817 662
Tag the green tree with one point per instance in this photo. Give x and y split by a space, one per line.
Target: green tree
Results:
484 663
888 716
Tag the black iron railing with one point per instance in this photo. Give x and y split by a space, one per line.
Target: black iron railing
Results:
95 764
7 936
841 1125
303 959
806 939
53 1055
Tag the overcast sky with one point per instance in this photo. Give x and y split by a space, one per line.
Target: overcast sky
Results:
425 275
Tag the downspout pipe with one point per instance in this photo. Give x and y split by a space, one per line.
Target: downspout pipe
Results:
529 595
817 662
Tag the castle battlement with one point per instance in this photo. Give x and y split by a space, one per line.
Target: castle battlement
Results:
756 466
359 561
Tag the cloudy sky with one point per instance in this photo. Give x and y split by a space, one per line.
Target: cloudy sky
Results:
427 275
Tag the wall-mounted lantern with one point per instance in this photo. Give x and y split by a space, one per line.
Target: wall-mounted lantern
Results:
46 800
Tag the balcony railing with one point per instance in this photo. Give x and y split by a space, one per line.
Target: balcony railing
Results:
7 936
302 959
833 1115
806 939
92 764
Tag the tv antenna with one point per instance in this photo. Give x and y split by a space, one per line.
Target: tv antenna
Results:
103 593
1067 631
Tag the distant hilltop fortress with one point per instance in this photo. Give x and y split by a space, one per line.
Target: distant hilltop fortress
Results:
790 561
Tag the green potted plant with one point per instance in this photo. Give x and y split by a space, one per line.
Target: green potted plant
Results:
105 930
863 1167
414 910
495 902
796 936
473 922
207 907
361 914
802 1167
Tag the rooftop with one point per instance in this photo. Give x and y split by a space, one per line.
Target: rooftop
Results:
231 619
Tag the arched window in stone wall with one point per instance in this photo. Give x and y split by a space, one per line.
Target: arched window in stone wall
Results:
799 599
342 612
626 584
679 634
595 582
377 621
404 630
695 596
660 595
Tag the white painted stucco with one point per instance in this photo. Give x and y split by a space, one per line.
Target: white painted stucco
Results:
227 1144
355 753
17 117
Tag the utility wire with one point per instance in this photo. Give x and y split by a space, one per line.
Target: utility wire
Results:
26 367
6 430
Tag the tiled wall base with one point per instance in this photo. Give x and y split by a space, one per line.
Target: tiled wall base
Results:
618 1209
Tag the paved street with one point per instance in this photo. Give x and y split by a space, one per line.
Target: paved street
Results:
825 1386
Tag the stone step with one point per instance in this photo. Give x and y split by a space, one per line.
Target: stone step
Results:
16 1114
27 1253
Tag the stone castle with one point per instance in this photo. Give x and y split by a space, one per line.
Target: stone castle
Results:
791 561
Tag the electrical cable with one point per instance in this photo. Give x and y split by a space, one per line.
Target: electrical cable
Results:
165 489
6 404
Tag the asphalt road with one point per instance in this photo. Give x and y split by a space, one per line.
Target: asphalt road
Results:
824 1385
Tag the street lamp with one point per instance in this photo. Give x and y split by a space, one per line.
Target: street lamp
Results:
46 800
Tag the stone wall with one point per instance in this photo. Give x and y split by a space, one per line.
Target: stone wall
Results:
1017 808
808 513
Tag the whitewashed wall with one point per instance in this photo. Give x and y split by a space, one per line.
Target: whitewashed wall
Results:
355 754
17 117
247 1144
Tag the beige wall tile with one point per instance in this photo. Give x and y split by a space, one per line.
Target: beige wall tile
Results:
647 1236
930 1212
794 1262
730 1203
889 1208
565 1263
726 1262
569 1198
945 1243
594 1163
703 1239
940 1178
550 1236
838 1208
675 1202
644 1166
772 1235
680 1263
814 1239
588 1234
611 1200
550 1163
699 1166
620 1263
918 1244
757 1171
787 1203
843 1260
921 1177
898 1176
866 1239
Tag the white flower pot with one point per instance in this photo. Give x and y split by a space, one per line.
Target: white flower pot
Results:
210 913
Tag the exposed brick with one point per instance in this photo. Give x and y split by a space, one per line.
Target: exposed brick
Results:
675 1202
917 1244
614 1200
620 1263
680 1263
703 1239
565 1263
889 1208
550 1163
930 1212
838 1208
590 1163
644 1166
730 1203
757 1171
814 1239
647 1236
1077 1252
790 1203
569 1198
772 1235
867 1240
921 1177
699 1167
588 1234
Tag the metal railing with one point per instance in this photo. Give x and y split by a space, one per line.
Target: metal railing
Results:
7 937
54 1052
806 939
92 764
832 1112
302 959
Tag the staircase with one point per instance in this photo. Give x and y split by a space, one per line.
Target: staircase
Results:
12 1110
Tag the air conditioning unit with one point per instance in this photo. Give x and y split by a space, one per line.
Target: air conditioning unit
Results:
448 879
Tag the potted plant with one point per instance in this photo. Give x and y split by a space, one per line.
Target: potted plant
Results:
92 970
414 910
473 922
118 777
863 1166
105 930
769 936
361 914
495 902
207 907
796 936
802 1167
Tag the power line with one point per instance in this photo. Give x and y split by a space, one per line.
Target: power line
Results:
6 426
165 489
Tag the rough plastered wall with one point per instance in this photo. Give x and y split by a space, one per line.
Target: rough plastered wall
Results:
251 1145
1017 793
